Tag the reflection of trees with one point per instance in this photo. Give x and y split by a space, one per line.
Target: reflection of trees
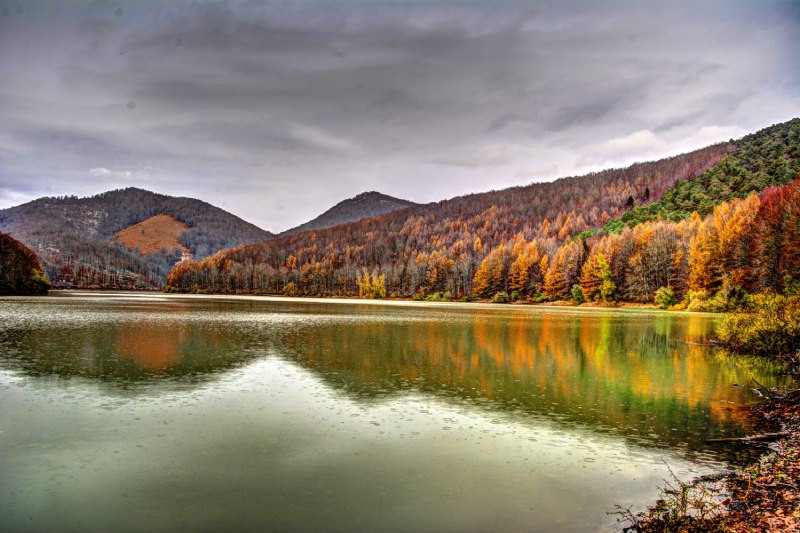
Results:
619 372
625 372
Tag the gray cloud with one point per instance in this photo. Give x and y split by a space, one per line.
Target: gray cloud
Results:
253 105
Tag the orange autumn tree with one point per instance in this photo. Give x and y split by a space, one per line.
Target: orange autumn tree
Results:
564 271
490 278
719 251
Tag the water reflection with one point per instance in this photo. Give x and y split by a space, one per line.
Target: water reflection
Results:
169 413
646 376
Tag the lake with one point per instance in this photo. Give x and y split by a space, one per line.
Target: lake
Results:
152 412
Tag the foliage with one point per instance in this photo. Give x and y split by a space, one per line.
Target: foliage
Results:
371 285
20 271
290 289
769 326
509 235
768 157
439 297
577 294
665 298
608 291
523 239
500 298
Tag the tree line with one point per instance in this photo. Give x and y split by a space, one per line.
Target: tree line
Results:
539 241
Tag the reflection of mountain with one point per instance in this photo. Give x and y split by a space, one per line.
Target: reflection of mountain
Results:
156 354
634 375
628 373
125 351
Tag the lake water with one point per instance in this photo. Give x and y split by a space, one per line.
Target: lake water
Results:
142 412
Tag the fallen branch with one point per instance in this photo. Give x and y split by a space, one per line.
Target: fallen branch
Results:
762 436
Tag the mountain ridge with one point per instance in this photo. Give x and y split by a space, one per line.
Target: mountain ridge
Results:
364 205
73 236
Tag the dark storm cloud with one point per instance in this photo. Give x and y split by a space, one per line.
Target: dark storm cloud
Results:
252 105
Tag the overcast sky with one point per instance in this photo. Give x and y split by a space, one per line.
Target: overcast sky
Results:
276 111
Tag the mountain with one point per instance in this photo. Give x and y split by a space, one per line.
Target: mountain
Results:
127 238
20 272
546 240
365 205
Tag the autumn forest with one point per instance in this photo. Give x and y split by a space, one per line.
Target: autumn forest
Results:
694 230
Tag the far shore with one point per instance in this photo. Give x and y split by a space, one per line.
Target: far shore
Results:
554 305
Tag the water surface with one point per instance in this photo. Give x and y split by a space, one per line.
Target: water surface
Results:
131 412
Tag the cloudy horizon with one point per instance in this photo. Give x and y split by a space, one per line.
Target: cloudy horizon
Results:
275 111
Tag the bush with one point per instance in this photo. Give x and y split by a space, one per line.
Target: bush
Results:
418 296
439 297
500 298
665 298
577 294
769 326
539 297
697 301
608 290
515 296
468 298
290 289
727 299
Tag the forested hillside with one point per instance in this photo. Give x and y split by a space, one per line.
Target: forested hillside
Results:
73 236
366 204
20 272
439 247
769 157
533 242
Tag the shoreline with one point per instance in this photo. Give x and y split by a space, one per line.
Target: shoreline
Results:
763 496
485 303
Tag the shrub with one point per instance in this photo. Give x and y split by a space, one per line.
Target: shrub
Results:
539 297
769 325
729 299
290 289
418 296
439 297
665 298
791 287
608 290
500 298
577 294
697 301
515 296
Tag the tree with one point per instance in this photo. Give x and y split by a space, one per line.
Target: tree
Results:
371 285
564 270
577 294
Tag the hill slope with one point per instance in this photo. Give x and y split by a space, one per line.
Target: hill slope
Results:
73 236
439 246
156 233
365 205
20 272
534 241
